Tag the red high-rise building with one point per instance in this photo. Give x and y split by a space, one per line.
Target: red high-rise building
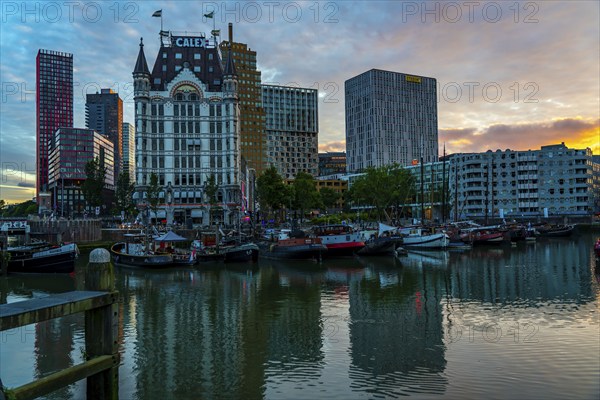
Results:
54 105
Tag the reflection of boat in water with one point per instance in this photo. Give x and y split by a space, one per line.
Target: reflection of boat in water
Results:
42 257
425 259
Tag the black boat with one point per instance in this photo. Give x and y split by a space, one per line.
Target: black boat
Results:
293 249
380 246
245 252
134 253
555 230
42 257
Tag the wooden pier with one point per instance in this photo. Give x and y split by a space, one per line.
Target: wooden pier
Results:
99 301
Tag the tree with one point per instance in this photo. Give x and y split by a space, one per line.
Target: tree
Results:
124 194
272 192
382 187
329 197
153 193
2 206
94 183
305 193
211 190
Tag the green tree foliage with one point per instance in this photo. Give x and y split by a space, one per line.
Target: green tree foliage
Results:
153 192
2 206
124 194
94 182
21 209
382 187
305 194
211 190
272 192
329 197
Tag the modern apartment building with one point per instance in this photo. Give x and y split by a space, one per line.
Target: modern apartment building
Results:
72 149
332 163
391 117
253 140
188 127
104 114
554 180
54 105
292 126
129 150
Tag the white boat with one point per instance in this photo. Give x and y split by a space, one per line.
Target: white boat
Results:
418 237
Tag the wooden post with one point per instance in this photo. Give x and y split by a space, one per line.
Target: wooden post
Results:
101 326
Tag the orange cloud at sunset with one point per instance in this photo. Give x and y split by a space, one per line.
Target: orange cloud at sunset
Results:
575 132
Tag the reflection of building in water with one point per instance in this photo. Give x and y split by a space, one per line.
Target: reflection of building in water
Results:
550 270
210 335
396 331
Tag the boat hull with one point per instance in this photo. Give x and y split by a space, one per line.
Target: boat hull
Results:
379 247
434 241
140 261
49 260
296 251
243 253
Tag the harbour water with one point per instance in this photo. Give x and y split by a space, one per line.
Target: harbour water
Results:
496 323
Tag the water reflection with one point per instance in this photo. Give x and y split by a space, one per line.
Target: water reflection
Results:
364 327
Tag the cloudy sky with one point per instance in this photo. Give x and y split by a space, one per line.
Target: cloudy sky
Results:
510 74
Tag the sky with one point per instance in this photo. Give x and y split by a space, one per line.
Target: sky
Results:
510 74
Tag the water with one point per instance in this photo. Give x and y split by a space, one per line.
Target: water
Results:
508 322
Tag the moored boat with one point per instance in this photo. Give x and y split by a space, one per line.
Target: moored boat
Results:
555 230
341 240
42 257
293 248
245 252
413 237
485 237
380 246
133 253
597 248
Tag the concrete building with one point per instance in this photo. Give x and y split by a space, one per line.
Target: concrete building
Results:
253 139
333 162
104 114
73 148
187 129
391 117
554 180
54 105
129 150
292 126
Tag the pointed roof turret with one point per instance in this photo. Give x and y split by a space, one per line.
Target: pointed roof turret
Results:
141 67
230 66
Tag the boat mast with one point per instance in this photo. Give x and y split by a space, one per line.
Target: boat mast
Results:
422 193
444 186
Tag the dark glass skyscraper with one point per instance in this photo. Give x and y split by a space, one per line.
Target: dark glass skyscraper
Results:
54 105
104 114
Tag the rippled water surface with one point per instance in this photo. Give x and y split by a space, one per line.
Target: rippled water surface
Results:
505 322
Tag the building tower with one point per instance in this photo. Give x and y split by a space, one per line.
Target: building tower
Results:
187 130
54 105
292 126
104 114
253 136
391 117
129 150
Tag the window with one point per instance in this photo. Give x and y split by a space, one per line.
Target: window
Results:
178 56
197 56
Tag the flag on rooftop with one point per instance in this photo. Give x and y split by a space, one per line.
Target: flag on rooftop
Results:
157 13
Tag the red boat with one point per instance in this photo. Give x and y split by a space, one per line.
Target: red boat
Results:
484 236
341 240
597 248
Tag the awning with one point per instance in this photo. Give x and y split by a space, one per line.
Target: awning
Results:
170 237
197 213
162 213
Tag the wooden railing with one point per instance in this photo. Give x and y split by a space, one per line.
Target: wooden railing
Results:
99 301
